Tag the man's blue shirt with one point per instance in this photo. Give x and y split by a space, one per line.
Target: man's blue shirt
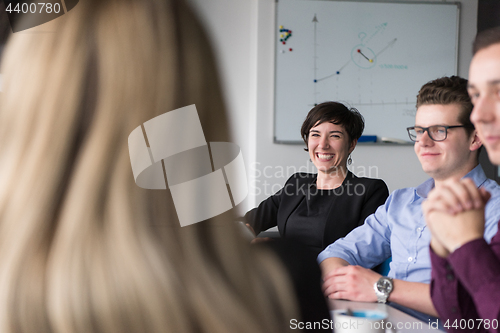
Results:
398 229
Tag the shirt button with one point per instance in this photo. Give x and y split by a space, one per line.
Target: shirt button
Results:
448 267
419 229
453 309
450 277
410 259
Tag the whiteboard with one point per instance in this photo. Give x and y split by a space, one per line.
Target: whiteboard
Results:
373 56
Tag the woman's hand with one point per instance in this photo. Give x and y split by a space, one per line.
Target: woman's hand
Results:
251 229
256 239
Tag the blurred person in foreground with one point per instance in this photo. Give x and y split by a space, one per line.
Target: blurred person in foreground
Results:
82 247
465 286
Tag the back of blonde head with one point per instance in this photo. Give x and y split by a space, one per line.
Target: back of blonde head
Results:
82 248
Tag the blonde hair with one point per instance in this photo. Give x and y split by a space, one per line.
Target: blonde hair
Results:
82 248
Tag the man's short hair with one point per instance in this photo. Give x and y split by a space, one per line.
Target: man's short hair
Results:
486 38
445 91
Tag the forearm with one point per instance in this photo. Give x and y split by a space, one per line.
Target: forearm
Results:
414 295
477 266
450 299
330 264
264 216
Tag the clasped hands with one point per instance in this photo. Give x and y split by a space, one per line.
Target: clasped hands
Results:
454 213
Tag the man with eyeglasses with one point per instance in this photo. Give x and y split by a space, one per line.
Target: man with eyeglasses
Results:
447 147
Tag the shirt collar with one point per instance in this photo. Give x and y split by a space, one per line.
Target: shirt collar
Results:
476 174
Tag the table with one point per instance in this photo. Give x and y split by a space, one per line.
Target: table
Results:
399 320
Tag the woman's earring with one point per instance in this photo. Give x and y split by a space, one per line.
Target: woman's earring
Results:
349 160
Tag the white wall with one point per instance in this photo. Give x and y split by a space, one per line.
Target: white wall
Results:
243 36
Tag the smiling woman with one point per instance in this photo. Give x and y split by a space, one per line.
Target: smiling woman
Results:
317 209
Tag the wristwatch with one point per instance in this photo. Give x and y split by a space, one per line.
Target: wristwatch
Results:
383 288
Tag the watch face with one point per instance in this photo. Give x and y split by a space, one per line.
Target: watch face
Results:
384 285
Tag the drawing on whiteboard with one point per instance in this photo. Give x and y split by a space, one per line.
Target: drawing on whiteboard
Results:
361 55
284 35
373 56
363 52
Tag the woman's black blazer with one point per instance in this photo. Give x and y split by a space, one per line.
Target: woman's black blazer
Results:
351 207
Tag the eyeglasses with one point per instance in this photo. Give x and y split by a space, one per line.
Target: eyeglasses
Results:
436 133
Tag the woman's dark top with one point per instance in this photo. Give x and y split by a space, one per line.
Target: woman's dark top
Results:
305 275
315 217
307 222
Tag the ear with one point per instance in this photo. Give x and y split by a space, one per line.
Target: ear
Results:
476 142
353 145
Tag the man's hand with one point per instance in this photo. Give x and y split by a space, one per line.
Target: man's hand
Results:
454 197
454 213
453 231
438 248
353 283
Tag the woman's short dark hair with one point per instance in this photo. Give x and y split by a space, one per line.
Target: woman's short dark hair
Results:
336 113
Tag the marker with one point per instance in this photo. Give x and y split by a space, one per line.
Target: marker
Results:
368 138
393 140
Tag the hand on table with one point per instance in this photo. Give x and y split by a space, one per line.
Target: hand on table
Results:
353 283
454 213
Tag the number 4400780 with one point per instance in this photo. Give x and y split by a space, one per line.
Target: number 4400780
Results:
41 7
471 324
